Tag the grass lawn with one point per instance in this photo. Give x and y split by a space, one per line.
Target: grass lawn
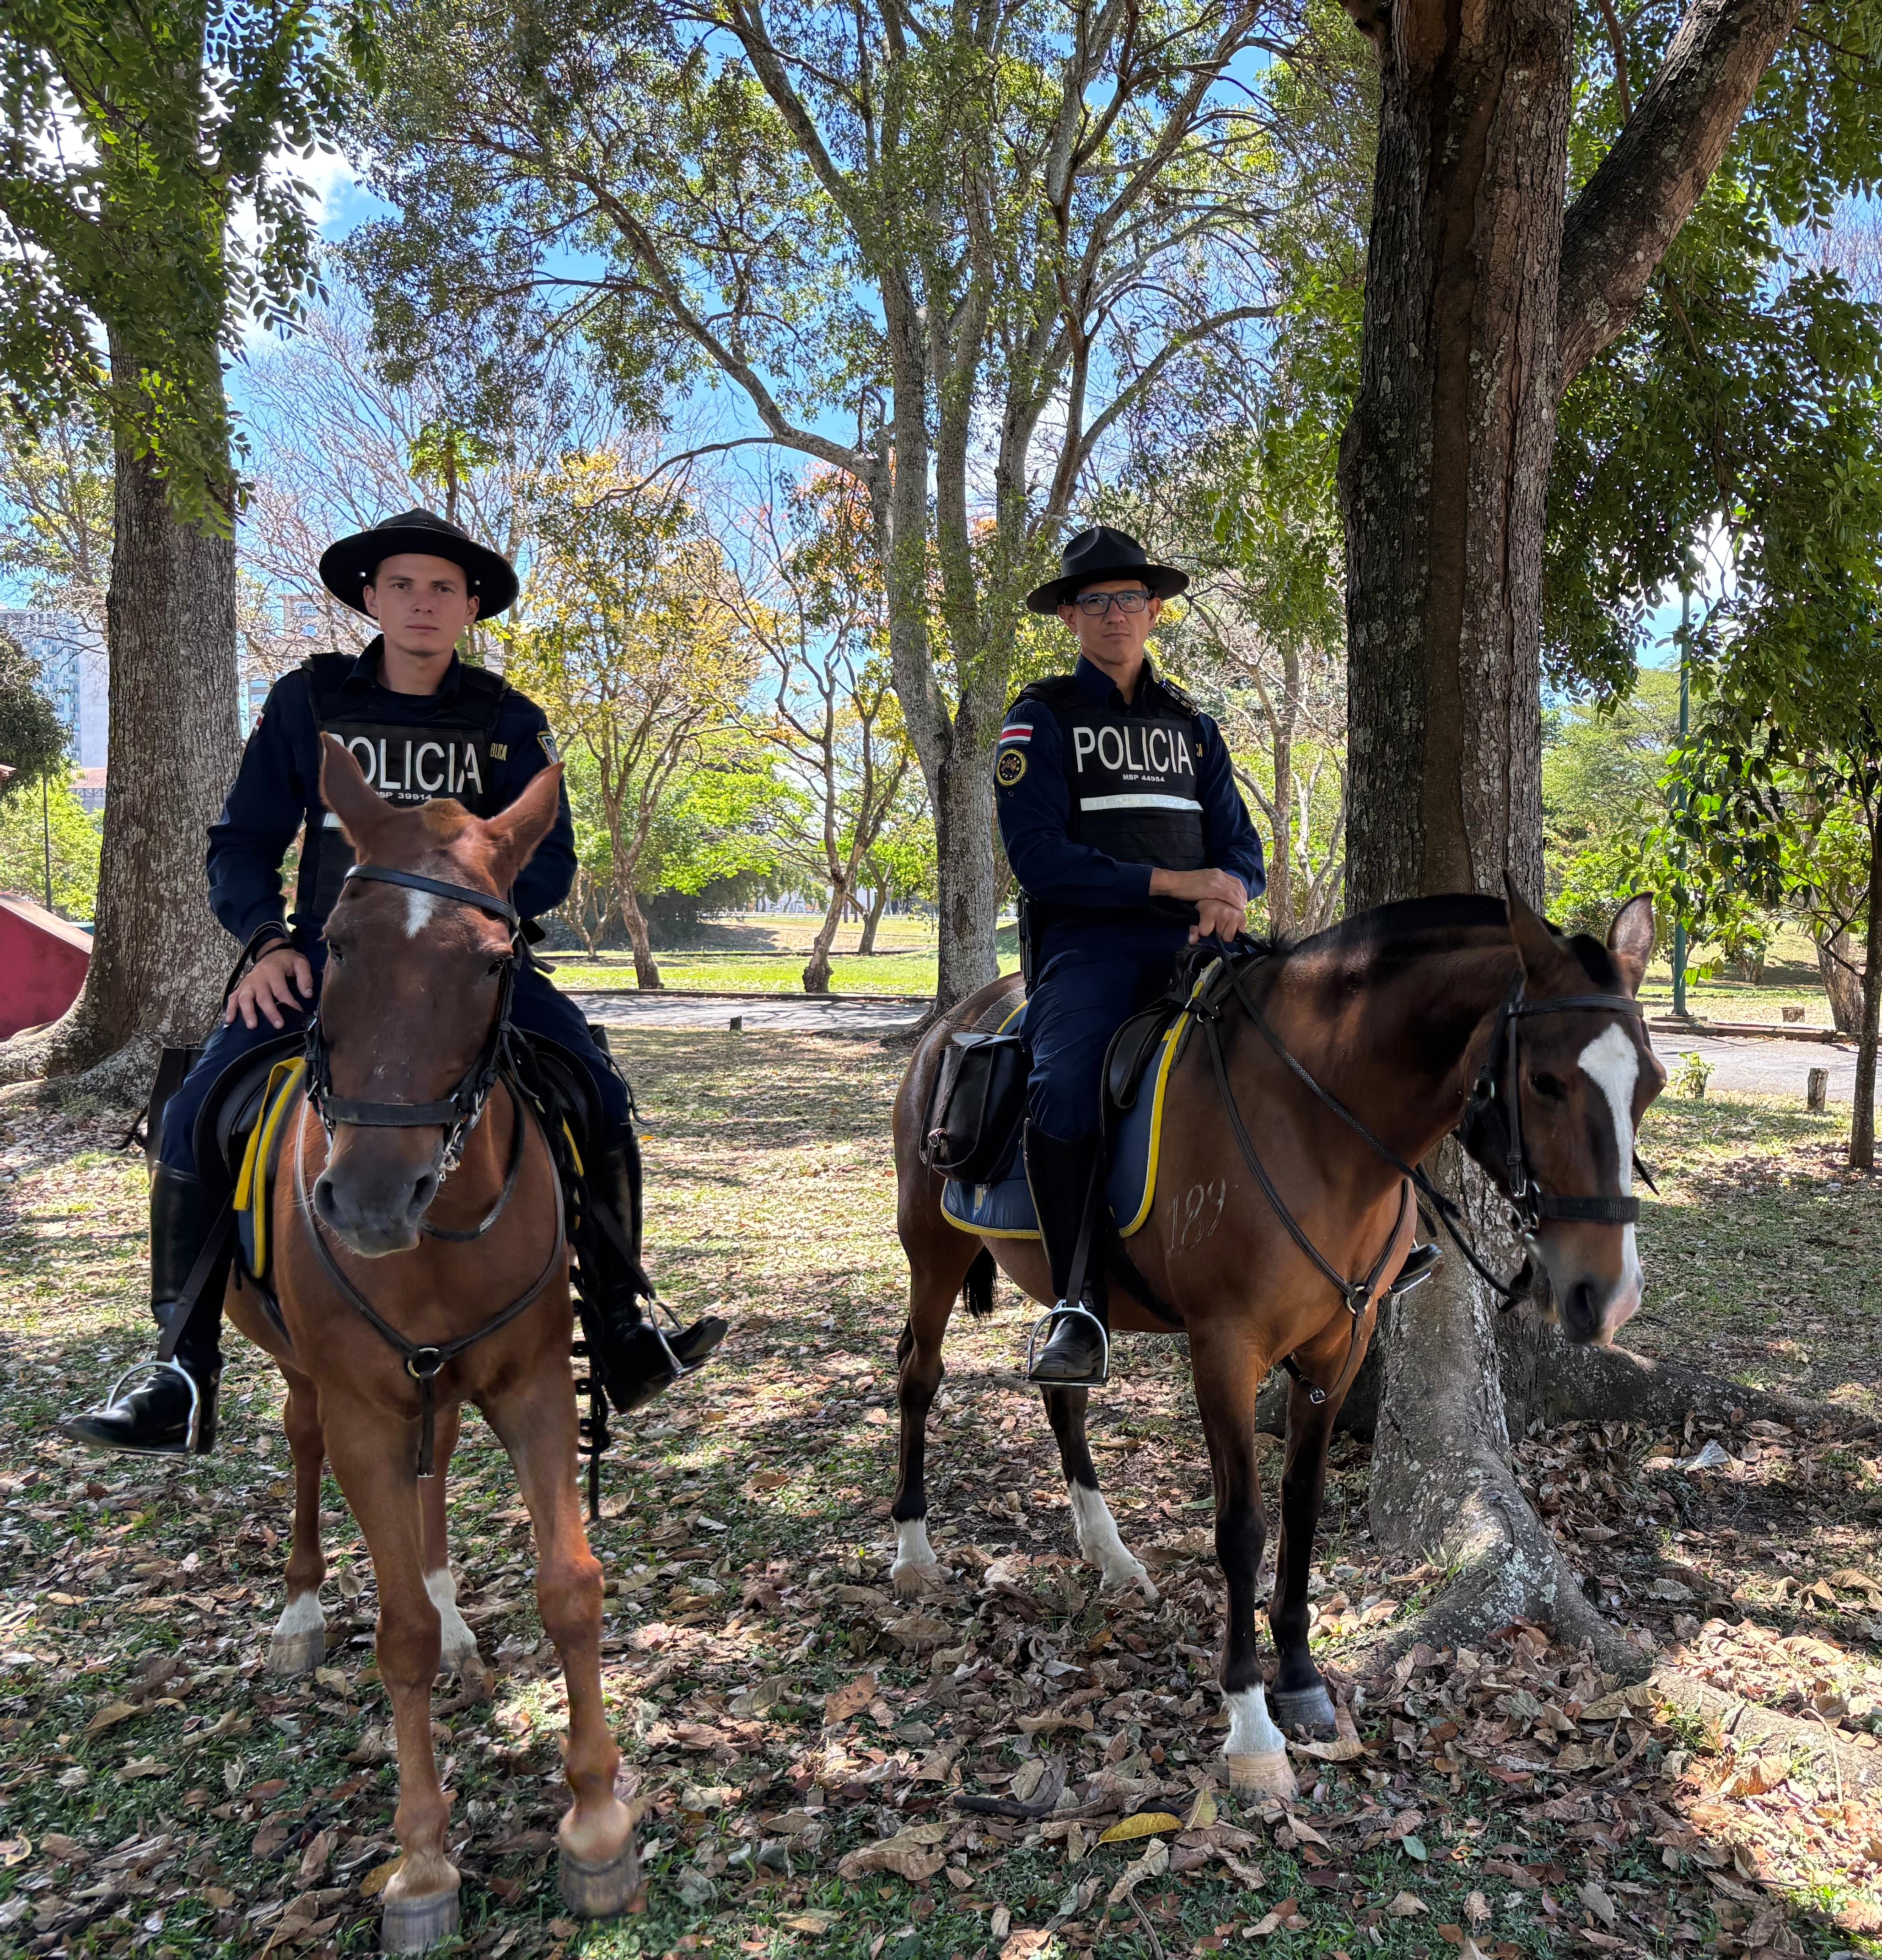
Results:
162 1795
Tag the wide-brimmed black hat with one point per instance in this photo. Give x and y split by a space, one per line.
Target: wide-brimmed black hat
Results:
348 567
1102 553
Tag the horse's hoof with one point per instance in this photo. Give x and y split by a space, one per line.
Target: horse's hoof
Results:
462 1661
911 1581
600 1891
1309 1708
1121 1579
1264 1775
411 1925
297 1653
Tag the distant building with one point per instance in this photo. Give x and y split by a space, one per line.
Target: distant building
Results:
75 675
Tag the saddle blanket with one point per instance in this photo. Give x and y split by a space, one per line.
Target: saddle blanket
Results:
1003 1209
286 1081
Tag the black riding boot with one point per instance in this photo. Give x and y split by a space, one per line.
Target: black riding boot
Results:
173 1412
1064 1180
638 1357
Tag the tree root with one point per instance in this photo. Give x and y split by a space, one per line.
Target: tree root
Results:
1812 1747
119 1081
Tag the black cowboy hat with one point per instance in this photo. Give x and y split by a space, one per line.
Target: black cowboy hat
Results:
1099 554
348 567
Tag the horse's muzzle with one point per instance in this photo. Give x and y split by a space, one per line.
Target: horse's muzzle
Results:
372 1199
1595 1275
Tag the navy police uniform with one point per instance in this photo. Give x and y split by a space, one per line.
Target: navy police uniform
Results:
1095 792
476 740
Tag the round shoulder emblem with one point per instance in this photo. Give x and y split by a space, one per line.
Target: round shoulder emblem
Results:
1010 767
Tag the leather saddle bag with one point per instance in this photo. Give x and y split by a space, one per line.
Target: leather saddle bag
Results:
980 1097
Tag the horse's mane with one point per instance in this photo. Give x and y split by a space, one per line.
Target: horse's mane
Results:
1390 933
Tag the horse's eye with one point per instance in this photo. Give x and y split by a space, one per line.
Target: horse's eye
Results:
496 967
1547 1086
334 954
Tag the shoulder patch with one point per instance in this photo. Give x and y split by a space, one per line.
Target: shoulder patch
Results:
1011 767
548 741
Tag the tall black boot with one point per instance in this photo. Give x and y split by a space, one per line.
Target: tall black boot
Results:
174 1414
638 1357
1063 1178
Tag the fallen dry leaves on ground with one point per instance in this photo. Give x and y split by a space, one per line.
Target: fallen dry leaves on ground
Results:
797 1734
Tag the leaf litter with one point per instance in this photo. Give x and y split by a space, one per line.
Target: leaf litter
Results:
794 1734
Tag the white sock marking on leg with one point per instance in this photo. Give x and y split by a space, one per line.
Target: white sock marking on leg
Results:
301 1615
1251 1732
1099 1542
912 1549
457 1638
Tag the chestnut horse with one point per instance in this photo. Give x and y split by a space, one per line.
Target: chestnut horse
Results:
1397 1015
421 1263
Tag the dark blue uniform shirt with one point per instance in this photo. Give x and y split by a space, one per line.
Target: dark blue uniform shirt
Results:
1054 868
278 789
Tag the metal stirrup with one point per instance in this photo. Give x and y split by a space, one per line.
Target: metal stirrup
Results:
1046 1320
161 1368
681 1369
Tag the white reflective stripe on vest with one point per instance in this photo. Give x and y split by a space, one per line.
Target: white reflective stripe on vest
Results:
1138 802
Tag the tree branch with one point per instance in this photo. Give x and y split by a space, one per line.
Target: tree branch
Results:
1630 210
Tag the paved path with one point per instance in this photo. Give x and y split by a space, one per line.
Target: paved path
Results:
1770 1068
1741 1062
796 1013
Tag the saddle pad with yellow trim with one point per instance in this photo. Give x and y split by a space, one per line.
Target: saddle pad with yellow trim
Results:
1004 1210
287 1082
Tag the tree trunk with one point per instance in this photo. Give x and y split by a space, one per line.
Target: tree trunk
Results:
879 903
969 893
1862 1119
817 972
1280 892
647 972
1444 464
1841 982
159 957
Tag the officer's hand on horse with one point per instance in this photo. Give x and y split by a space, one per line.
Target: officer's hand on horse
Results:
1219 918
269 985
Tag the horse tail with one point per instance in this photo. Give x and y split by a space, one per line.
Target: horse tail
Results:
976 1289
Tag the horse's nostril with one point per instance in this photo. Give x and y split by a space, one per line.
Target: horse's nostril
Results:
1583 1312
422 1194
323 1197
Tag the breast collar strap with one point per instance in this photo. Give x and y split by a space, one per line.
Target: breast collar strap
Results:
457 1114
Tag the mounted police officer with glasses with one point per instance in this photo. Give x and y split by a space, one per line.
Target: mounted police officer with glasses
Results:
421 724
1122 822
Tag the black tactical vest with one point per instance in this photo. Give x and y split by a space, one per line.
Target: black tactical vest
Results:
447 756
1132 778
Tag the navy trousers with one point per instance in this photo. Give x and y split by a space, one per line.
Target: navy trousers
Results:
538 1008
1084 993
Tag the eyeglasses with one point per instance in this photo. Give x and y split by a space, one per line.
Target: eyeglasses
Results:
1095 605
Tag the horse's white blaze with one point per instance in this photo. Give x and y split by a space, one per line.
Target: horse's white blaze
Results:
457 1638
1611 1063
1251 1730
419 907
1097 1539
913 1553
302 1615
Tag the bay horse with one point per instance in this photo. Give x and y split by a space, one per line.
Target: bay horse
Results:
1403 1017
422 1263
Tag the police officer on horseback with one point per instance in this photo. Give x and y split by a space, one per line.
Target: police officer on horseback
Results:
1122 822
421 724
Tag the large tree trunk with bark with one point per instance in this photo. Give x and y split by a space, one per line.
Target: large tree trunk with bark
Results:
817 968
969 892
1482 299
647 972
159 957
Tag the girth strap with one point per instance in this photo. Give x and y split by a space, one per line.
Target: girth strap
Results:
424 1361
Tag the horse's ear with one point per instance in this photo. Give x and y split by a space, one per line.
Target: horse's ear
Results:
345 791
1630 939
518 831
1536 945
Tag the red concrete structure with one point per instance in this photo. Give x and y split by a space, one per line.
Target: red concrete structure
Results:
42 962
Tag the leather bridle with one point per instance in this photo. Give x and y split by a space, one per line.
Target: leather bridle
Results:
1491 1128
457 1113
